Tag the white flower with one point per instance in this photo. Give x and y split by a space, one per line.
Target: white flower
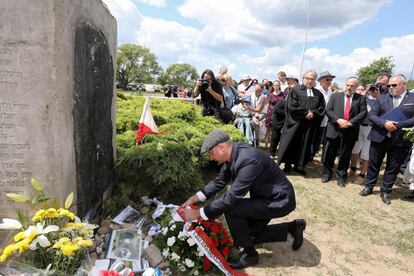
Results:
171 222
172 228
195 272
41 239
181 235
181 267
200 253
170 241
189 262
164 231
190 242
174 256
166 252
10 224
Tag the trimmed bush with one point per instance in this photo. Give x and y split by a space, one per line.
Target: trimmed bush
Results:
168 166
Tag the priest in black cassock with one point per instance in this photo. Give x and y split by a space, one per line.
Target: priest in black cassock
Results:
305 108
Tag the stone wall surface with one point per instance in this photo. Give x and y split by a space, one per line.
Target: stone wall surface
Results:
44 94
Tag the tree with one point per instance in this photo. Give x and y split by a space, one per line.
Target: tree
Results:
136 63
410 85
181 74
368 74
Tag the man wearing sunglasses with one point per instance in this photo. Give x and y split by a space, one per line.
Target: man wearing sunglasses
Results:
387 136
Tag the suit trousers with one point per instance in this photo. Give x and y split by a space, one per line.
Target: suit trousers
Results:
249 226
344 145
275 139
318 139
395 157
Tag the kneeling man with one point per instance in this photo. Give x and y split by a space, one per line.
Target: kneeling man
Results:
271 196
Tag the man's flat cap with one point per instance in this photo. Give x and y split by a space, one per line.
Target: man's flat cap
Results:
213 139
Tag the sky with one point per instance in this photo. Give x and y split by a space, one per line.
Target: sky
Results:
262 37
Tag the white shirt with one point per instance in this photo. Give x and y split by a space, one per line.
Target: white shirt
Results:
257 100
327 96
283 85
250 92
396 101
350 99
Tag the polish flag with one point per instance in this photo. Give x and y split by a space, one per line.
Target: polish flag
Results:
146 124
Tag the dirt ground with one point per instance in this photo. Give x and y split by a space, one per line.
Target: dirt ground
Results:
346 234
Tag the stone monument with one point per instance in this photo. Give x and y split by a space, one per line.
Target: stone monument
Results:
57 101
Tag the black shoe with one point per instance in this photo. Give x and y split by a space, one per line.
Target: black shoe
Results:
287 168
341 182
366 191
299 171
409 196
244 260
298 234
325 178
386 198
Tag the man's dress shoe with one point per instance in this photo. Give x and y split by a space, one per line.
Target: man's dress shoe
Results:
244 260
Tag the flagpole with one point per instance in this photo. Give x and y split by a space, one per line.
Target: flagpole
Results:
306 38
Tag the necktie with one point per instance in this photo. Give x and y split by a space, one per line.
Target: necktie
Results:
347 107
395 100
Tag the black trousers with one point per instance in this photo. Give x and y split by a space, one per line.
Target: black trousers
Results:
275 139
318 139
331 147
248 224
395 157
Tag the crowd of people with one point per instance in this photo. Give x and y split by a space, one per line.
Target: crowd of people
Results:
299 122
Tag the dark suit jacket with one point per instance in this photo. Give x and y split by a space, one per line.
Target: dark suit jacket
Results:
382 105
255 172
335 111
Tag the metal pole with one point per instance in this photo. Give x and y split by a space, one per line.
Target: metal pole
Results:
306 38
412 70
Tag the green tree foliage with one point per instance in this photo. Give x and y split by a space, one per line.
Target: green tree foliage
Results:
136 63
410 85
168 166
183 75
368 74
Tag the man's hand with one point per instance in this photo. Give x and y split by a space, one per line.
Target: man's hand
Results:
342 123
390 126
309 116
191 201
190 214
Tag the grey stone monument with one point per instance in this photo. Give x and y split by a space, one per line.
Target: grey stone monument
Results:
57 122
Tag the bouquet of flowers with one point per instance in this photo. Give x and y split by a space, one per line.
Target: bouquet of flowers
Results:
53 239
182 251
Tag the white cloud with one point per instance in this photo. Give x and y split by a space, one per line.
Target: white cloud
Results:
155 3
128 18
256 37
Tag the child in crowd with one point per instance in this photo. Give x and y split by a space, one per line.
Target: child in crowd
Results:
243 120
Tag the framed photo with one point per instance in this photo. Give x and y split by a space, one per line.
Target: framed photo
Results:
125 244
130 215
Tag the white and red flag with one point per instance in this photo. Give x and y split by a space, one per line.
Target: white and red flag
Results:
146 124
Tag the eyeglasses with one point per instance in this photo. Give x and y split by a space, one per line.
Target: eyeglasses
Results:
223 80
392 85
328 79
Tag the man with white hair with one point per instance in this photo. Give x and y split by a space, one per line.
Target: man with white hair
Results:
305 107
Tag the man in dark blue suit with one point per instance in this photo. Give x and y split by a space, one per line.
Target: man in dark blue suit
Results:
387 136
271 196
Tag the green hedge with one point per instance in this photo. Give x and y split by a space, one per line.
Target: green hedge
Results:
168 166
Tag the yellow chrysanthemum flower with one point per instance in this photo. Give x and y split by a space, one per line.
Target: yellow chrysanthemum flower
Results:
19 236
39 215
7 252
85 243
51 213
68 249
66 213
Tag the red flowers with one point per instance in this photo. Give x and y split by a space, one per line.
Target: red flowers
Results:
220 238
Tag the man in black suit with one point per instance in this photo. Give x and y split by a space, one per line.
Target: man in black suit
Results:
345 112
387 136
271 196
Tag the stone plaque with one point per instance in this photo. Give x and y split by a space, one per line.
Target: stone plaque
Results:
57 103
